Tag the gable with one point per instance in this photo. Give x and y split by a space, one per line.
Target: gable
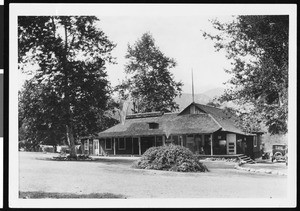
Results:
225 119
192 109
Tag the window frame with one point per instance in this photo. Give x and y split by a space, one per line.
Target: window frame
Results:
108 139
153 125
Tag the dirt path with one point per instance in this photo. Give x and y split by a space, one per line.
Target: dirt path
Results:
118 177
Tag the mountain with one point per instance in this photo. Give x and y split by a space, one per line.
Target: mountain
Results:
185 99
202 98
212 93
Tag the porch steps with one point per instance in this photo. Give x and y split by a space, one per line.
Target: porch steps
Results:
246 159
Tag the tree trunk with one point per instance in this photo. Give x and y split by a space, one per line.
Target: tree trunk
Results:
71 141
69 125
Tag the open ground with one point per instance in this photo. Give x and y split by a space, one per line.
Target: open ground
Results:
37 173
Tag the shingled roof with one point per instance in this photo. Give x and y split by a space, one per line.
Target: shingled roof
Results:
225 119
211 120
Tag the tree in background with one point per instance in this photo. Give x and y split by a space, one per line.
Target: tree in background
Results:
39 123
151 86
258 48
69 92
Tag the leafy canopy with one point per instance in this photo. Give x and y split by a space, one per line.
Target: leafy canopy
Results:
258 49
151 86
69 92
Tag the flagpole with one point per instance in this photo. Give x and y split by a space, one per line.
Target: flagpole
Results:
193 86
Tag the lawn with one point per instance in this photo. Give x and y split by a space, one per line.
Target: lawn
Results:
112 177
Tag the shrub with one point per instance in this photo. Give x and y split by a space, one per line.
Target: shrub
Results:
77 157
170 158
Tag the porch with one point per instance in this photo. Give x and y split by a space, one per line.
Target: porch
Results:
218 143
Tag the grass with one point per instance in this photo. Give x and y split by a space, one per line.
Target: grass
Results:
42 195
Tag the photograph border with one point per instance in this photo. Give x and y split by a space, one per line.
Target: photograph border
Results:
84 9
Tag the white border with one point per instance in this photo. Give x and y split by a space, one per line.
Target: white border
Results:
1 150
149 10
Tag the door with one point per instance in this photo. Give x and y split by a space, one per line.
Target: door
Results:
96 146
231 144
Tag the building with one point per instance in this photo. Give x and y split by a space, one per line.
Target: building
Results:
201 128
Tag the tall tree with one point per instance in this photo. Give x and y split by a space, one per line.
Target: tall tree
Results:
151 86
258 48
71 53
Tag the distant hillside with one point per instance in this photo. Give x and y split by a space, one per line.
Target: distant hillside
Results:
202 98
185 99
212 93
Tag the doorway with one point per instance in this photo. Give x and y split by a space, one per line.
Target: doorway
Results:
96 147
231 144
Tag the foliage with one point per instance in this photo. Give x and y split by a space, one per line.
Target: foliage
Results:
258 48
246 118
170 158
73 158
26 145
69 91
151 86
39 124
214 103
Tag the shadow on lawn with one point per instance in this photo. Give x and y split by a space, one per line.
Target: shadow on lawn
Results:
95 160
41 195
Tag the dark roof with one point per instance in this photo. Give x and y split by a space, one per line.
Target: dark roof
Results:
225 119
210 120
169 123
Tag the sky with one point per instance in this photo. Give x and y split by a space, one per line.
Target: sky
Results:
178 35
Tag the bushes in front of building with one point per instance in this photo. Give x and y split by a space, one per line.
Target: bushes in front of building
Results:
170 158
79 157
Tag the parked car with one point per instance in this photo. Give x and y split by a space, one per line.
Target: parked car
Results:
279 152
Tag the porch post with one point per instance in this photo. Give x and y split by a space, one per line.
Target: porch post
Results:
164 140
114 146
140 149
211 144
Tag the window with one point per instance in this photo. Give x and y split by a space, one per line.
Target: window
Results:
121 143
254 141
108 143
86 144
153 125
